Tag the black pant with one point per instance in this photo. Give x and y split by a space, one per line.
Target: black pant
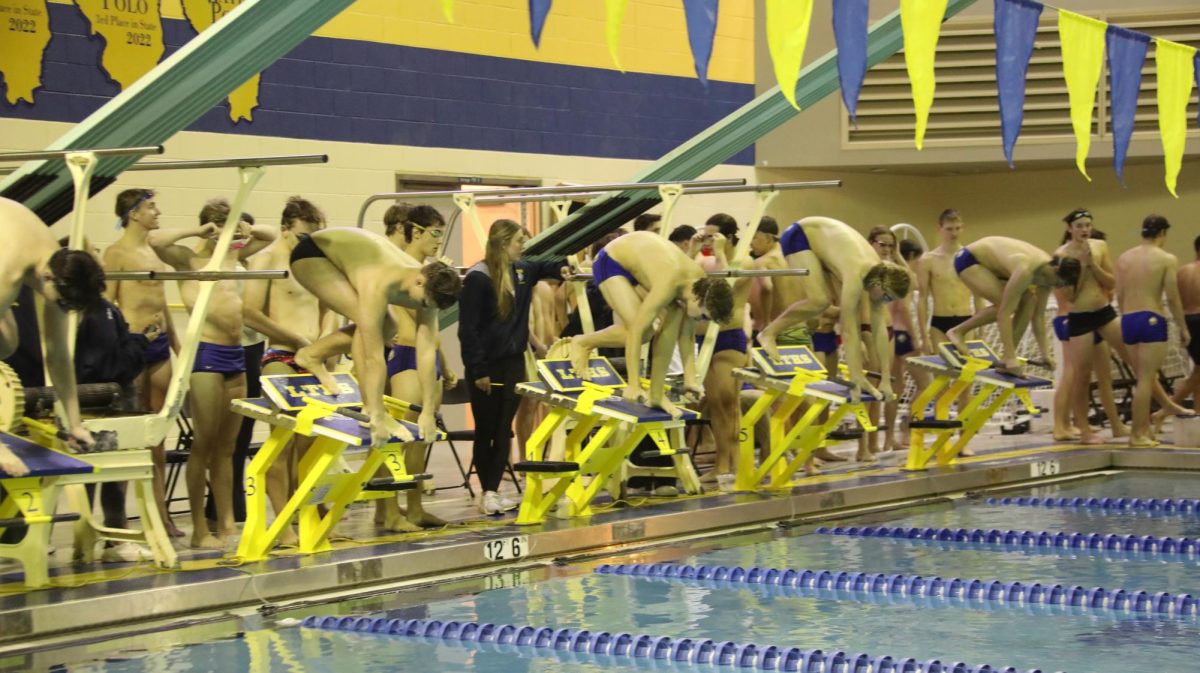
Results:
494 412
241 448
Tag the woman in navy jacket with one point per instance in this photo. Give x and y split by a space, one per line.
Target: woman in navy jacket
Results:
493 329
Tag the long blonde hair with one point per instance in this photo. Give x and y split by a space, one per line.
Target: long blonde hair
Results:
499 266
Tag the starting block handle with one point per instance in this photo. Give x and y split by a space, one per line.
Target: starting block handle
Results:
591 394
313 411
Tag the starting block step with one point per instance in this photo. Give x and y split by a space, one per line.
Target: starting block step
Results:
385 484
22 523
552 466
934 424
841 435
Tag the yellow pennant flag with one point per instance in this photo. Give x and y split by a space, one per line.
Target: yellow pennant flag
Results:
1082 40
614 13
787 34
1176 70
921 21
448 10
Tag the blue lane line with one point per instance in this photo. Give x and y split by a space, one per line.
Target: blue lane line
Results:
1055 542
584 644
1013 594
1160 506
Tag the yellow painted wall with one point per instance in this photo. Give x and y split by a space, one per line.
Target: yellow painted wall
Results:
653 32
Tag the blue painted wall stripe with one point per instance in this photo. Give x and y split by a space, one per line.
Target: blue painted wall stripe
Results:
366 92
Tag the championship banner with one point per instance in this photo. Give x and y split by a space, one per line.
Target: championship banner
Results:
133 36
204 13
26 32
701 28
1015 24
614 13
1126 55
1082 40
1176 70
850 34
538 11
921 21
787 34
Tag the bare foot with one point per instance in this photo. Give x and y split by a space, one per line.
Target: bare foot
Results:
1142 443
400 524
10 464
173 530
810 468
1091 440
667 406
207 541
579 355
424 519
709 477
967 451
865 456
767 341
288 538
305 359
1119 430
828 456
958 341
1066 435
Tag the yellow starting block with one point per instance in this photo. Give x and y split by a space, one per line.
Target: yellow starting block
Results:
297 404
598 412
955 372
31 501
796 378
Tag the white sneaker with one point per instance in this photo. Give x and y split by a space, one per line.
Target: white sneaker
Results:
489 503
562 509
666 491
507 505
126 552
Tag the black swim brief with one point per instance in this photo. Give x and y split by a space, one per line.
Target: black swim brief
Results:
306 248
1080 323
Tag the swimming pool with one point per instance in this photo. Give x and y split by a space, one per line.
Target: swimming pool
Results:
1019 634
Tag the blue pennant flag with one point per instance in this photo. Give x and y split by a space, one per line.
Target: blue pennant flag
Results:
538 10
850 32
1016 23
701 27
1126 55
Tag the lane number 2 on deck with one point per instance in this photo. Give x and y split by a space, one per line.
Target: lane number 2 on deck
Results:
506 548
1044 468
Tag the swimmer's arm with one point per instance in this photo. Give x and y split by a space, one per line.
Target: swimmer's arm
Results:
58 362
879 339
111 261
261 235
851 334
1039 324
923 298
655 301
1102 268
663 347
254 304
1010 299
687 350
367 348
550 271
165 245
427 350
1174 302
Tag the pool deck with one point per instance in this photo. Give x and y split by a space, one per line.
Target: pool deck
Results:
85 598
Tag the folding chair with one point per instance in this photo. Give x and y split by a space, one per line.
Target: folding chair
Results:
461 394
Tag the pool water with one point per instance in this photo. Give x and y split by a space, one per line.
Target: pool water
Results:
1078 640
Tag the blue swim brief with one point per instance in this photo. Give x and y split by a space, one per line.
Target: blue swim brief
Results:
158 350
605 267
794 240
727 340
1143 327
404 358
1063 331
825 342
964 259
904 344
217 359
